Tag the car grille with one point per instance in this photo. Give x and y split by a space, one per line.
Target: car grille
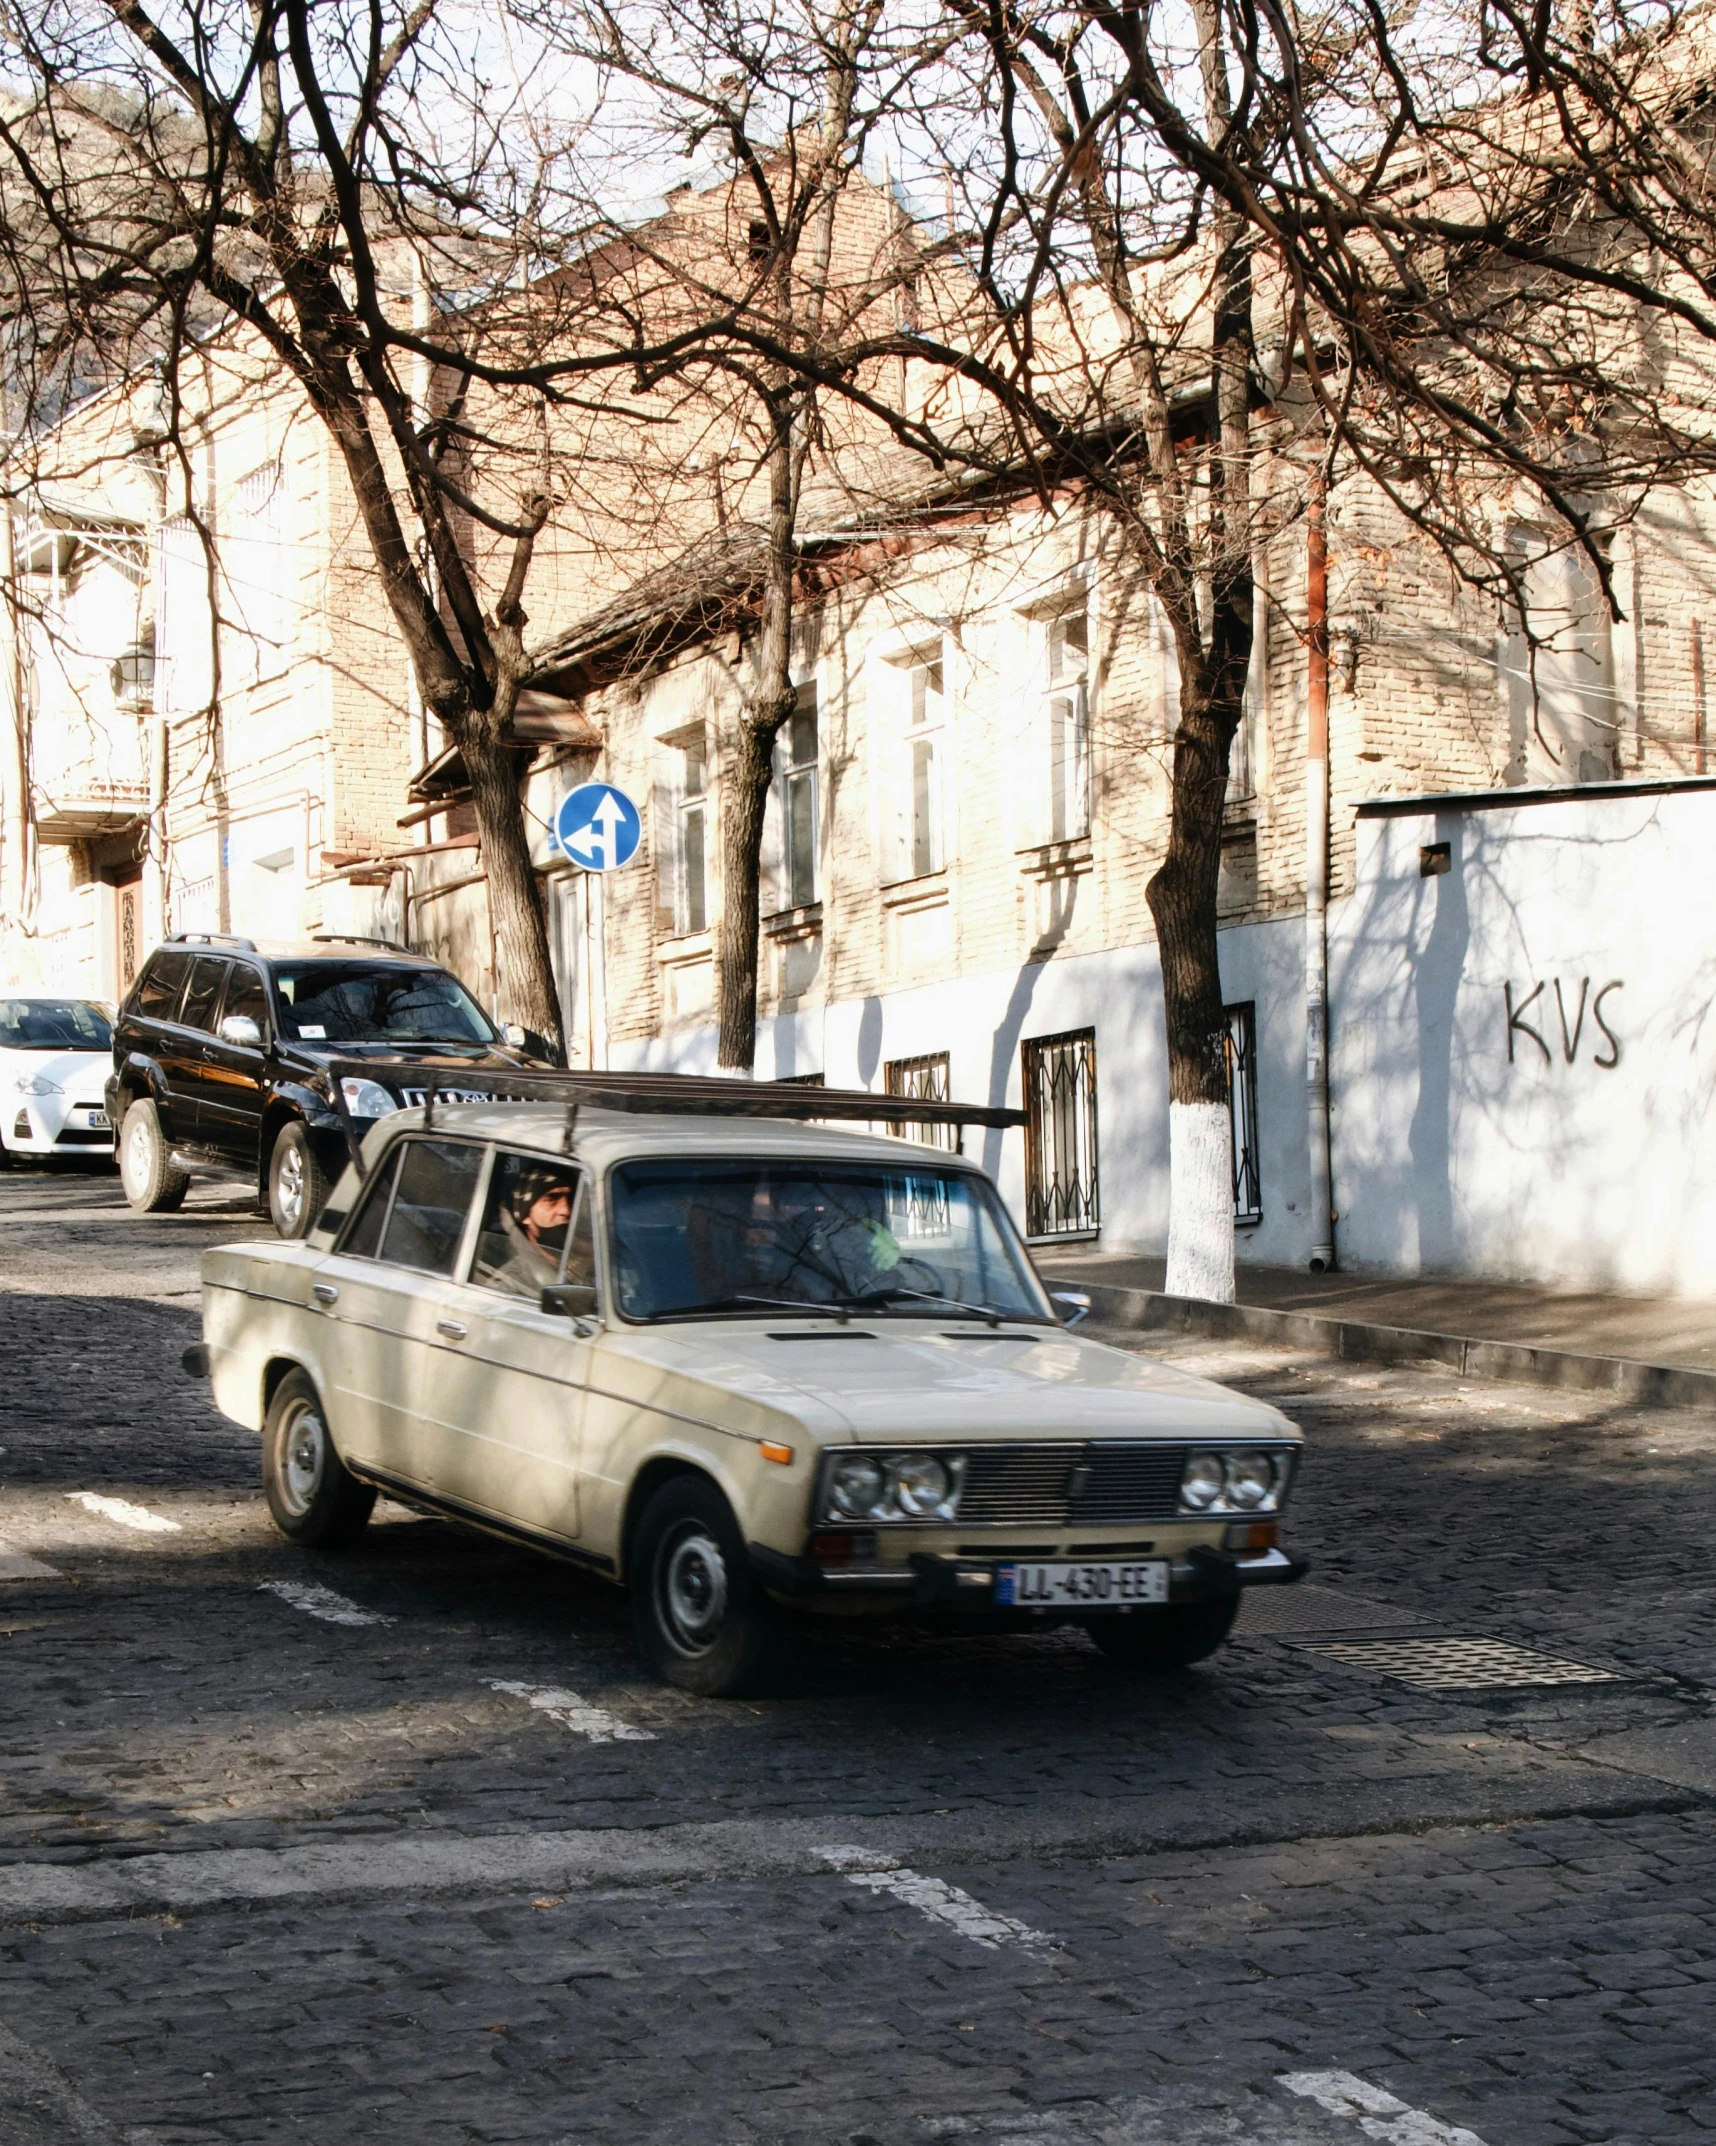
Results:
80 1136
1093 1484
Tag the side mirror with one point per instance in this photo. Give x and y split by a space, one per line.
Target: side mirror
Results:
1072 1304
569 1300
241 1029
525 1039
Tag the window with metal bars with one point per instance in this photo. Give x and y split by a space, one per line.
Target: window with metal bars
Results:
1242 1105
926 1080
1062 1192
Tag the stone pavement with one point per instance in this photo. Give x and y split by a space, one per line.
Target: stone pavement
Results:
404 1846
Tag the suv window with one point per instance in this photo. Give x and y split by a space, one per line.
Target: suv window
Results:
536 1227
201 999
159 986
431 1198
246 993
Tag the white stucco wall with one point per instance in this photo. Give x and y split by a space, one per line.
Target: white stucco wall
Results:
1587 1158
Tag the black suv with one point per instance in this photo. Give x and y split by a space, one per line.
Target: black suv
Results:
221 1055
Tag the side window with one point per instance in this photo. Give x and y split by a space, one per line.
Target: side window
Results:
430 1202
163 981
245 994
363 1239
535 1218
207 976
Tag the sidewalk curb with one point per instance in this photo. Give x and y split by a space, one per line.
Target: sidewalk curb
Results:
1149 1310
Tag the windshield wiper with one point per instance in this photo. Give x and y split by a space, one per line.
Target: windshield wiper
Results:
990 1312
836 1311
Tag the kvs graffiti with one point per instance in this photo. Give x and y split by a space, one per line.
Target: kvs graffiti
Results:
1572 1023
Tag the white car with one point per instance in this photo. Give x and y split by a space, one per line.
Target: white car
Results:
55 1058
737 1365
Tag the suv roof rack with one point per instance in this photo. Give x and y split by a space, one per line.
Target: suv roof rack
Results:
209 938
355 938
700 1095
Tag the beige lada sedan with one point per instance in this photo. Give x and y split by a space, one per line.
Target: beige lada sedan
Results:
738 1366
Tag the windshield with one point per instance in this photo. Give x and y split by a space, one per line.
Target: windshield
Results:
53 1024
376 1002
753 1237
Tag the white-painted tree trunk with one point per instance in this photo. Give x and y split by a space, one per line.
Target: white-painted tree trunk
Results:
1200 1202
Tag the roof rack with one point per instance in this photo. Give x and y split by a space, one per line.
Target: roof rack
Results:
210 938
694 1094
355 938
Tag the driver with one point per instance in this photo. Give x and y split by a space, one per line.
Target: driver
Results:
533 1226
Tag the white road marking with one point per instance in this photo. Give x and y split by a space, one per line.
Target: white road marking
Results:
127 1514
322 1602
933 1897
1378 2113
14 1565
574 1713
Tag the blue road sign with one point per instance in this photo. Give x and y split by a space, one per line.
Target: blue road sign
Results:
598 827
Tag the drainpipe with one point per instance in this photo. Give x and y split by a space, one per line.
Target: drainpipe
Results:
155 855
15 777
1317 880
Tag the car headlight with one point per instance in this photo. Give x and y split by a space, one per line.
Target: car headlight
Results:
367 1098
37 1084
1245 1480
893 1486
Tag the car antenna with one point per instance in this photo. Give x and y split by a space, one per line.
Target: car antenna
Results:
571 1126
429 1099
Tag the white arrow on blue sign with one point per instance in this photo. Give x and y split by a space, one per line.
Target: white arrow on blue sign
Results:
598 827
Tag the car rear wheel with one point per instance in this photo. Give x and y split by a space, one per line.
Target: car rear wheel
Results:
314 1499
297 1183
154 1183
1170 1638
703 1623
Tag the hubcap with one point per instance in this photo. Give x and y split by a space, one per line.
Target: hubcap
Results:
304 1452
139 1154
289 1185
693 1588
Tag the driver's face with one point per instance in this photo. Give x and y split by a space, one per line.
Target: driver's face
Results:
550 1210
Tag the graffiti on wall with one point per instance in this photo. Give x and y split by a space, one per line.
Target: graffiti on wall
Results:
1571 1013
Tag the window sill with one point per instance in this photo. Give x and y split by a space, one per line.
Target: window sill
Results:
925 892
1056 860
802 923
692 946
1068 1236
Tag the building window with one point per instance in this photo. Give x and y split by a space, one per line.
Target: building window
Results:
925 760
795 759
682 834
254 558
1067 722
925 1080
1242 1104
1062 1194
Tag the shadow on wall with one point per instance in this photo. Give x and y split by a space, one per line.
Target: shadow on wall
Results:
1436 974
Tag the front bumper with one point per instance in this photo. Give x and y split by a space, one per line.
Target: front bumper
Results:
54 1125
967 1584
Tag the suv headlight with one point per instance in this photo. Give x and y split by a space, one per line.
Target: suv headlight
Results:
367 1098
37 1084
871 1487
1237 1480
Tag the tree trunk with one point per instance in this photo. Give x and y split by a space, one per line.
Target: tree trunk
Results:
526 982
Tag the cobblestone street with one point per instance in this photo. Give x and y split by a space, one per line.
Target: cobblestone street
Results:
405 1845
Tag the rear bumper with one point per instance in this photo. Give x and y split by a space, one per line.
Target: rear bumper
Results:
968 1584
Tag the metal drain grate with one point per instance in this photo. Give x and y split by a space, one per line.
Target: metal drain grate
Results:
1457 1664
1285 1612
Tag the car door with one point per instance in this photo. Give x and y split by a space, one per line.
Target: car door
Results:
185 1046
510 1382
383 1290
148 1026
235 1069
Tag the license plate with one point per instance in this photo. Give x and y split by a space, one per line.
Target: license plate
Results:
96 1120
1081 1586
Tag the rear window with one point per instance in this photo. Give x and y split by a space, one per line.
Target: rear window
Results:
160 985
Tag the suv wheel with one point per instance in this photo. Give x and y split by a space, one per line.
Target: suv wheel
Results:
297 1183
313 1498
702 1621
154 1183
1171 1638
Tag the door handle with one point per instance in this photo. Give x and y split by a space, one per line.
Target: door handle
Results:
452 1328
324 1292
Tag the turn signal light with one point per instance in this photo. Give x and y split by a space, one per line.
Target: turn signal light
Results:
771 1451
1252 1535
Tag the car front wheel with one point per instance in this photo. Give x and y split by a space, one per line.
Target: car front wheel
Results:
1170 1638
154 1184
314 1499
297 1183
703 1623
